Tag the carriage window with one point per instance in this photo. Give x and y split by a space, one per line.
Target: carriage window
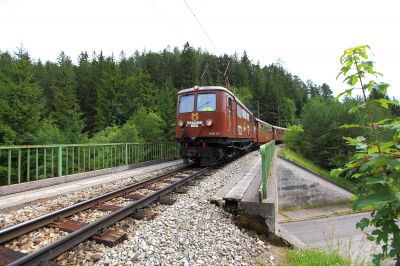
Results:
244 114
186 104
206 102
239 111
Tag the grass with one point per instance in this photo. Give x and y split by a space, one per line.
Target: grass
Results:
314 257
316 206
290 155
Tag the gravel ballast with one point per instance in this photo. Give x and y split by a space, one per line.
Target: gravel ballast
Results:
190 232
30 211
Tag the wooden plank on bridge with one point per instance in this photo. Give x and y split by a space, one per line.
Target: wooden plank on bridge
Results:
237 192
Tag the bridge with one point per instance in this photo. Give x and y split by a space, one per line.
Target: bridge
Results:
297 205
272 194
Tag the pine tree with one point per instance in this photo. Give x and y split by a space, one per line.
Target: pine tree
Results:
21 103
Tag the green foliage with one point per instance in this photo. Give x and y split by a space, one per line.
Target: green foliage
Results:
108 93
149 125
101 91
166 101
376 162
127 133
294 137
138 91
48 133
314 257
243 94
287 112
21 101
322 140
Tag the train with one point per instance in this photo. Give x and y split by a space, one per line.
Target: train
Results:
213 126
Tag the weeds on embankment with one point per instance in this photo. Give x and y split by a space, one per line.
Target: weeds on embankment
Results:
317 257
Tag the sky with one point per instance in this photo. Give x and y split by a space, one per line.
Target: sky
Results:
307 36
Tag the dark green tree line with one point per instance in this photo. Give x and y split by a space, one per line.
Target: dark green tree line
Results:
47 102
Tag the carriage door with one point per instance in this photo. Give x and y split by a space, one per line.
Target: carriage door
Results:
231 126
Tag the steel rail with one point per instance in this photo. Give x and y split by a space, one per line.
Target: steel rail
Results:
14 231
42 256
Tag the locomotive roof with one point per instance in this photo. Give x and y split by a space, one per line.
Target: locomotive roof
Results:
215 88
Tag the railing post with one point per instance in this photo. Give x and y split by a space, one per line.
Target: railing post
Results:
19 166
126 154
28 165
60 160
9 167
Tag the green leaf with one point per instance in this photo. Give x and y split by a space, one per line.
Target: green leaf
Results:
377 258
397 195
336 172
348 92
395 102
374 180
350 126
394 164
383 121
363 223
376 232
381 87
364 167
373 149
361 204
383 102
353 80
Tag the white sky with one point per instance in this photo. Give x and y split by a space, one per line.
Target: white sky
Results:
309 36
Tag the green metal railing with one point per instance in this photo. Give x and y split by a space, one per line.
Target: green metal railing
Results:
20 164
267 152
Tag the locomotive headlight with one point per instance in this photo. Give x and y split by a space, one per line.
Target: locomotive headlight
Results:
181 123
209 122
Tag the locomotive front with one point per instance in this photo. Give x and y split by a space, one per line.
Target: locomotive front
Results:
201 123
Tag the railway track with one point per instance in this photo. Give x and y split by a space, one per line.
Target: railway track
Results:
156 189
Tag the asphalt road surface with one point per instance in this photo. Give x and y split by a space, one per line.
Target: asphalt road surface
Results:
338 232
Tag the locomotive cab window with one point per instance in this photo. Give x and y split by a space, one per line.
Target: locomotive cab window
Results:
206 102
186 104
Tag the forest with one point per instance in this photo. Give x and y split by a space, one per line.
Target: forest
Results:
131 98
104 99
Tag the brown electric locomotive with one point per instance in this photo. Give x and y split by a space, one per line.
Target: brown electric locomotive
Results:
213 125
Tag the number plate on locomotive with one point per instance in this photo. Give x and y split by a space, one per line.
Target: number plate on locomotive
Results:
194 123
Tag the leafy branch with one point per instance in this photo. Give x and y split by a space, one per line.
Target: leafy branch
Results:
376 163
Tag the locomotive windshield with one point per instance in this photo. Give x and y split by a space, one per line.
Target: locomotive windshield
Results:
186 104
206 102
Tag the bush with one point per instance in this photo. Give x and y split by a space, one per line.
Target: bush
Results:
293 138
114 134
48 133
149 125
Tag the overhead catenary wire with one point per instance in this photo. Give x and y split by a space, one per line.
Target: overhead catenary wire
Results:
201 26
158 9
